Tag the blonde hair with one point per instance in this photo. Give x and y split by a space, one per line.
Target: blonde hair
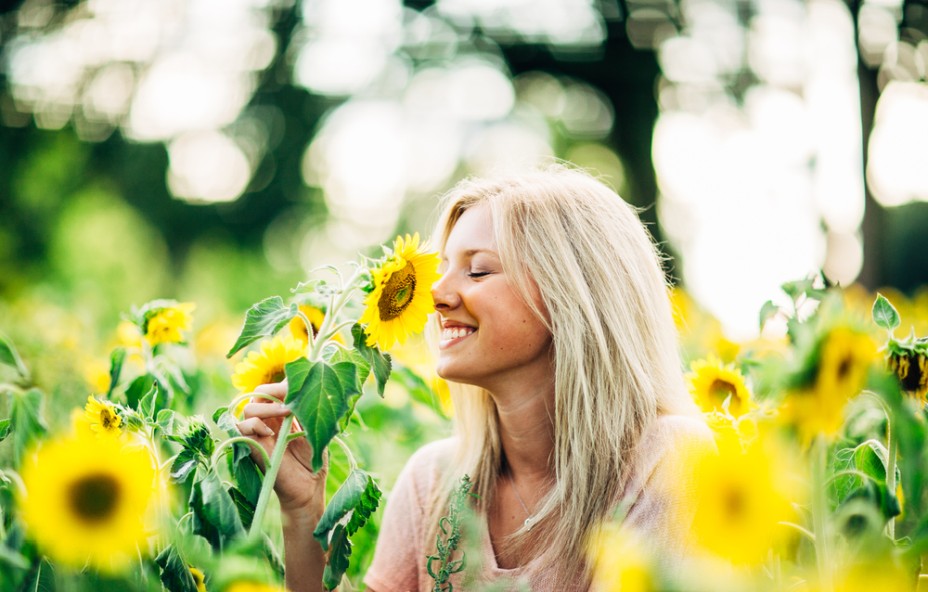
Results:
616 354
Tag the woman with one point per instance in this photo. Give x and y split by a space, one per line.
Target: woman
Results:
555 331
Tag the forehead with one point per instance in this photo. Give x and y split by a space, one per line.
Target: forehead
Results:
472 231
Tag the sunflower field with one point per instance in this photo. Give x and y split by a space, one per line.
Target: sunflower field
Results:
128 473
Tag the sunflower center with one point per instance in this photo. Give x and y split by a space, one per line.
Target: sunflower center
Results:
397 293
108 419
94 498
844 368
720 390
276 374
734 503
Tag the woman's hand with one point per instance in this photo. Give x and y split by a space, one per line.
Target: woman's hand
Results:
298 488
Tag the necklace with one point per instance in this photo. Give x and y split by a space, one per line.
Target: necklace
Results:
530 521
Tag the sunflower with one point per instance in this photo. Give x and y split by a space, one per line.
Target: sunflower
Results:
911 368
164 324
400 299
101 417
87 500
315 315
845 356
621 563
739 498
199 578
254 587
267 364
719 387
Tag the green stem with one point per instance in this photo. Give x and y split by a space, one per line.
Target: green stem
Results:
245 439
309 328
820 520
892 445
270 476
341 444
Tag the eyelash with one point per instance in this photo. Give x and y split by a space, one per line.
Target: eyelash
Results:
478 274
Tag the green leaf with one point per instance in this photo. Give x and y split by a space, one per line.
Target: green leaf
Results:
247 475
319 396
175 574
117 358
379 362
264 319
6 426
244 506
870 458
767 312
417 388
10 357
337 564
137 389
362 370
148 404
26 419
216 517
358 494
184 464
885 314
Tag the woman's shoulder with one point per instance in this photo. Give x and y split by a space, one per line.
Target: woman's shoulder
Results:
427 464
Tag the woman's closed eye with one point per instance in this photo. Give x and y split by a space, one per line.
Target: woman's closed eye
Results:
477 274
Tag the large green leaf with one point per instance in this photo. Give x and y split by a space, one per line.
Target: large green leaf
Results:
137 389
10 357
339 554
26 419
357 495
378 361
175 574
319 396
216 517
264 319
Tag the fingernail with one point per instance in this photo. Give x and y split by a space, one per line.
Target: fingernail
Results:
267 431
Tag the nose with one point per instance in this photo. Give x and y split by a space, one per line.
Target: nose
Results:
444 294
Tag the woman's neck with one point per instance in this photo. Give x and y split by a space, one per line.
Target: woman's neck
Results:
526 431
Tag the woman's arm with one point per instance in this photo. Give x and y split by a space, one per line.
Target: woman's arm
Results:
301 492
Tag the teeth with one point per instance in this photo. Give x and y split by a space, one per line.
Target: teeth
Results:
455 332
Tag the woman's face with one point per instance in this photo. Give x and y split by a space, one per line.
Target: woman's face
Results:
489 337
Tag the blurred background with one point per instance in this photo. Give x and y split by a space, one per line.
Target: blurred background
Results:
215 150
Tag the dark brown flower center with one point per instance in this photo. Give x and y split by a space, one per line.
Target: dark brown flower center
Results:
108 419
397 293
734 503
94 498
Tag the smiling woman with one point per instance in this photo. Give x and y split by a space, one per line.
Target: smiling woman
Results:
555 333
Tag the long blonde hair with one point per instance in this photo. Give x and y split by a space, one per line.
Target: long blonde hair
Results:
616 354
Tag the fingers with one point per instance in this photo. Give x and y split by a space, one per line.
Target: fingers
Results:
253 426
261 410
275 389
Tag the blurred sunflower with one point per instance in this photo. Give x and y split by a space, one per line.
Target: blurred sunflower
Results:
163 324
199 579
254 587
716 386
740 496
267 364
87 500
400 298
911 368
101 417
840 372
621 563
315 315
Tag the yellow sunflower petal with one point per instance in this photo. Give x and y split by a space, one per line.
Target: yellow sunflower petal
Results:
401 300
267 364
715 385
87 500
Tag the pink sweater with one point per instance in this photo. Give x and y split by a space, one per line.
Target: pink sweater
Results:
399 563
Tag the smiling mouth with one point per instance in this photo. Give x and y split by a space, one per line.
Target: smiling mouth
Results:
453 334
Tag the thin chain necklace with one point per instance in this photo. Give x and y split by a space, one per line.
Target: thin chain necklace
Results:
530 521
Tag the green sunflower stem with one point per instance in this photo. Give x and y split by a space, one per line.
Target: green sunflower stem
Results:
892 445
336 303
820 518
270 476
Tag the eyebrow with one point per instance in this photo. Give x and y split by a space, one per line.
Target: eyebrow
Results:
472 252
